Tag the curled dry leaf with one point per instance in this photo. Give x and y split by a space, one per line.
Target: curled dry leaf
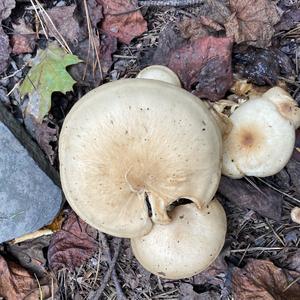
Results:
122 19
72 245
262 280
252 21
261 199
18 284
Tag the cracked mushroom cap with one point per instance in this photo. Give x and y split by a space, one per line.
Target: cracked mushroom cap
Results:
137 138
186 246
262 137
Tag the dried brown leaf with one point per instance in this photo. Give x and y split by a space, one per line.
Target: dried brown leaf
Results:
252 21
193 28
204 65
294 262
262 280
122 19
261 198
72 245
30 254
64 21
17 283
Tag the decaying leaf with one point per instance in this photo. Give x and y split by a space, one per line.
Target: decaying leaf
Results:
30 254
262 280
252 21
294 261
72 245
193 28
203 65
122 19
18 284
259 198
64 21
187 292
262 66
48 74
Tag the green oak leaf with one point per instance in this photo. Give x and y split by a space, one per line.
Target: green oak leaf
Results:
47 75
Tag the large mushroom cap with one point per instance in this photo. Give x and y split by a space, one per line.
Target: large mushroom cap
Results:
262 137
186 246
134 137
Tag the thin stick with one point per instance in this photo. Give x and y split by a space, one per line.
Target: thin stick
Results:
256 249
97 294
38 15
120 293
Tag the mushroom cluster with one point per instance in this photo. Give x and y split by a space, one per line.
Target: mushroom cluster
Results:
130 149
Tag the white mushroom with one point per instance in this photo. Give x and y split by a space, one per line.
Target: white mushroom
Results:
132 139
186 246
262 138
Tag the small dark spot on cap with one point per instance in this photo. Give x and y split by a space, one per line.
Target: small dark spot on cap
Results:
181 217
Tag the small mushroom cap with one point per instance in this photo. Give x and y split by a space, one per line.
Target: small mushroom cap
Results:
186 246
162 73
285 104
295 215
260 143
134 137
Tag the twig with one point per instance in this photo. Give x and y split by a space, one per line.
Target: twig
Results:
120 294
112 262
170 2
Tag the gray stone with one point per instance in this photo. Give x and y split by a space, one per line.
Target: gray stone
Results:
28 197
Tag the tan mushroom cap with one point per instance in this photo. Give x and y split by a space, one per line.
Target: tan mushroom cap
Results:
162 73
262 138
186 246
134 137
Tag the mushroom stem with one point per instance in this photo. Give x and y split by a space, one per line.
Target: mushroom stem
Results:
158 206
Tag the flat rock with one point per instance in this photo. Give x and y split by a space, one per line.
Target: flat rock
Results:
29 199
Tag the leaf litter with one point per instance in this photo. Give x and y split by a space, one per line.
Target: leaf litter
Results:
118 44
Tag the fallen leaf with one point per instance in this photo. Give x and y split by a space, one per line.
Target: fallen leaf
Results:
122 19
289 20
85 73
204 65
30 254
260 198
64 21
252 21
262 66
23 38
4 50
5 8
48 74
17 283
72 245
262 280
193 28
